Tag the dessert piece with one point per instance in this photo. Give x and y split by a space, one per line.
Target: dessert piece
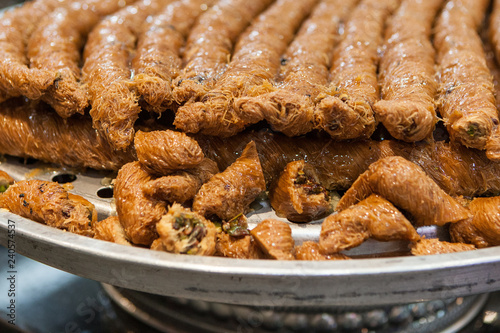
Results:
137 213
434 246
275 239
289 108
111 230
163 152
407 74
483 229
297 195
158 56
348 113
107 74
16 27
56 45
181 186
210 44
466 93
186 232
310 250
406 186
255 60
373 217
229 193
49 203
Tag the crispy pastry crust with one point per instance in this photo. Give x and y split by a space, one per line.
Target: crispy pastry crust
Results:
230 192
435 246
297 195
56 44
405 185
32 129
304 70
310 250
467 102
348 114
163 152
49 203
111 230
138 214
483 229
238 247
372 217
158 57
16 27
209 46
181 186
107 73
275 239
256 58
407 74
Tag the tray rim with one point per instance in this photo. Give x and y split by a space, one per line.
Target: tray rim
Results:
368 281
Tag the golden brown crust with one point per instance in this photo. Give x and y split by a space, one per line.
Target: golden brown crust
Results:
111 230
297 195
406 186
163 152
407 74
230 192
467 102
304 69
435 246
107 73
186 232
483 229
348 114
275 239
181 186
55 46
256 58
208 48
138 214
158 60
32 129
372 217
310 250
49 203
238 247
16 26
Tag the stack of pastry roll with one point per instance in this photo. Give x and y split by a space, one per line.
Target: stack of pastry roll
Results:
201 106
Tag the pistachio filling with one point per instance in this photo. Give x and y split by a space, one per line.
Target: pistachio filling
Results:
190 232
309 185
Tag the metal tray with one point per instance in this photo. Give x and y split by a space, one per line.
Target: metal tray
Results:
360 282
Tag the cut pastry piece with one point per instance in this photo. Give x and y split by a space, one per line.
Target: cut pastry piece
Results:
297 195
373 217
275 239
186 232
406 185
230 192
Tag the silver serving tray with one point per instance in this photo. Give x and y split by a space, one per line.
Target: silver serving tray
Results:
249 282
